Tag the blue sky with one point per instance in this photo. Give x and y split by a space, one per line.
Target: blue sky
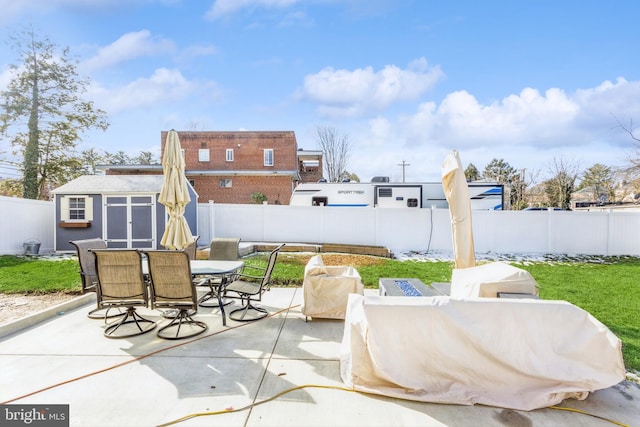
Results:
520 80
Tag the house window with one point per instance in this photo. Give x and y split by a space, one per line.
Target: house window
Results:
203 155
229 155
225 183
76 208
268 157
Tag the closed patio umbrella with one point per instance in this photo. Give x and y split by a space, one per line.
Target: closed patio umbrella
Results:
456 191
174 195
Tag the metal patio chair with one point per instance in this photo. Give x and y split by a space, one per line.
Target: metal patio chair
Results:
87 261
222 249
121 284
249 289
172 288
192 249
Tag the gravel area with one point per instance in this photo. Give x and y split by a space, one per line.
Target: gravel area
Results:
16 306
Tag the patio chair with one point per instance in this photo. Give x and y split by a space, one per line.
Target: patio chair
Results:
192 249
249 289
172 288
121 284
87 261
222 249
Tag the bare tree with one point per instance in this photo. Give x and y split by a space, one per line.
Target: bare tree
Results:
559 187
631 173
336 149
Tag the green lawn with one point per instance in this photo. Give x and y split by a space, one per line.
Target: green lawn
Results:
608 288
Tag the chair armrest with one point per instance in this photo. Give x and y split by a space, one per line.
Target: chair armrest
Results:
247 276
255 267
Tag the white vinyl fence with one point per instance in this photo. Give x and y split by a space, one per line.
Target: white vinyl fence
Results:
23 220
556 232
542 232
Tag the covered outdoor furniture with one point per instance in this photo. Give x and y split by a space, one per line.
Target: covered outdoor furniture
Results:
513 353
87 261
172 288
326 289
249 288
220 249
488 280
121 284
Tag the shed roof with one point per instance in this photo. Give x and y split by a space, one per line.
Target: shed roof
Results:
98 184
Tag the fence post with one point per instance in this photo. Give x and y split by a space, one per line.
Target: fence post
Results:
211 221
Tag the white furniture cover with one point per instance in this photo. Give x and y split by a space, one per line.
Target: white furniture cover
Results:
326 289
488 279
512 353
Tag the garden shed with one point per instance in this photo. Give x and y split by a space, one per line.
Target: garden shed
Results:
121 209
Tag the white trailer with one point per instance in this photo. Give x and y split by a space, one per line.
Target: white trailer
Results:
484 196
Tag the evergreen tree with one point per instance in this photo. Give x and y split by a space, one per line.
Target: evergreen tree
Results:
45 92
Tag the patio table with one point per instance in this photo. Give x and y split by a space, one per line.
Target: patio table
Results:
220 268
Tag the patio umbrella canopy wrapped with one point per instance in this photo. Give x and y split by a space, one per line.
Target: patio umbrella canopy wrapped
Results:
456 191
174 195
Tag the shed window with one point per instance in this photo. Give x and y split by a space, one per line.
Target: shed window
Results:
76 208
268 157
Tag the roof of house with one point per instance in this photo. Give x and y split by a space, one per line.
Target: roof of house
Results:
98 184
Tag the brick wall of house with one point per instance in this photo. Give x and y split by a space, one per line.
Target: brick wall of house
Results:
246 171
248 150
242 187
207 152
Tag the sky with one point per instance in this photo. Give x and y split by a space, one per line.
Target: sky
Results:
406 81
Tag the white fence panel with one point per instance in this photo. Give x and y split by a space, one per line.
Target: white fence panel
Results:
582 233
624 233
596 233
578 232
292 224
355 224
24 219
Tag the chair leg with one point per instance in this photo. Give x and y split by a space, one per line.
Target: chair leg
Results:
239 314
183 318
130 317
99 313
213 294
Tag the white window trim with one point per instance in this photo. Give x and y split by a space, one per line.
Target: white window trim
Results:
229 155
65 208
268 155
203 155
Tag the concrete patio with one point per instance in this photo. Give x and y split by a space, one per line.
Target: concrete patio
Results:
61 357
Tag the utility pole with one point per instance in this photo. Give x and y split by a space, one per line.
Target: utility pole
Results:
403 164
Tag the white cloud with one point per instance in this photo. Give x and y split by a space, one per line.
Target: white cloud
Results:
162 88
527 129
128 46
222 8
341 93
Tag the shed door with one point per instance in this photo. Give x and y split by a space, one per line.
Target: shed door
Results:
130 222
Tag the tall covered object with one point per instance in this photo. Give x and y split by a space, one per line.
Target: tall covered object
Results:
456 191
174 195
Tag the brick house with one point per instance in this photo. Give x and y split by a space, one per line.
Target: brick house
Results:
228 167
